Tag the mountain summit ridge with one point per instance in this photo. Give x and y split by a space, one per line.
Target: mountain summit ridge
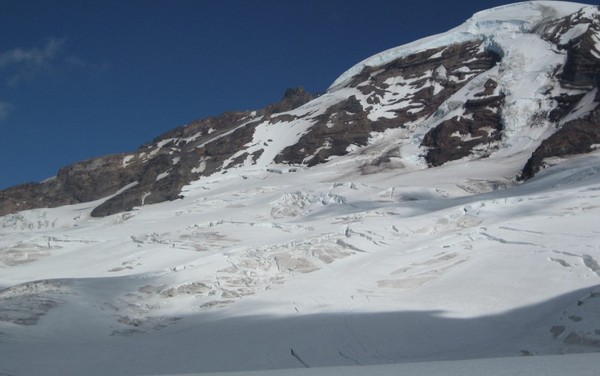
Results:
516 81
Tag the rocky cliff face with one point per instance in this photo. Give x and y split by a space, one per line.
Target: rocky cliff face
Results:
578 131
519 86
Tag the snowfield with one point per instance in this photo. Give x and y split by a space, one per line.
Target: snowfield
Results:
335 267
580 364
348 263
519 18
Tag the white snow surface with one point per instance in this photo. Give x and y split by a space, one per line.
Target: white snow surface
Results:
516 19
343 264
338 267
580 364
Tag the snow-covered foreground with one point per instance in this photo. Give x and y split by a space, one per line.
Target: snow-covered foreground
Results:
323 267
579 364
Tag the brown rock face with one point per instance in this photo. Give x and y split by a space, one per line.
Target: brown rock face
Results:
154 173
581 73
434 75
458 137
293 98
349 125
81 182
574 137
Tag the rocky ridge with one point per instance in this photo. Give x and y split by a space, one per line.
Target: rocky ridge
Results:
476 92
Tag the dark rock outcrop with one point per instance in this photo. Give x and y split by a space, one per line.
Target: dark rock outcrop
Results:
458 137
434 74
581 74
156 172
574 137
293 98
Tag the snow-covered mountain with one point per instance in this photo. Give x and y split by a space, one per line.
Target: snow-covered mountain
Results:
517 82
437 202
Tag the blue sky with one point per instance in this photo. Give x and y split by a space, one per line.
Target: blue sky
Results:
80 79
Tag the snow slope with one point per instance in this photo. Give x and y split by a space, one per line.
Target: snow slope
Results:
339 267
581 364
518 19
277 267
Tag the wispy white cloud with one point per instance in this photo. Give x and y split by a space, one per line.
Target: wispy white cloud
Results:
33 57
21 63
25 64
